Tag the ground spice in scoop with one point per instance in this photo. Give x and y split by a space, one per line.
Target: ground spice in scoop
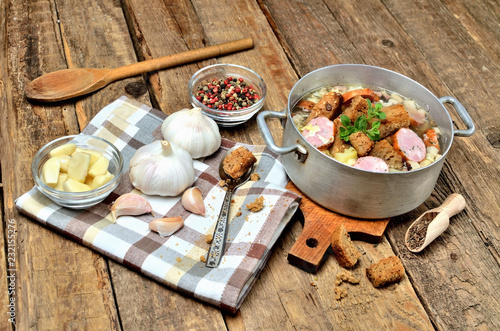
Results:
417 233
227 94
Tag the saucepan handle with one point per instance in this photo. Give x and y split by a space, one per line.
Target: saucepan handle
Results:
268 138
464 115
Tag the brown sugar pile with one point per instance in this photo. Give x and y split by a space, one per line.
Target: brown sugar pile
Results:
386 271
238 162
257 205
346 254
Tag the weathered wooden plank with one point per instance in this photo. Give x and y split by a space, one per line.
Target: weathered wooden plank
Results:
180 26
334 47
376 37
390 308
60 283
6 323
110 46
480 20
282 298
464 266
466 69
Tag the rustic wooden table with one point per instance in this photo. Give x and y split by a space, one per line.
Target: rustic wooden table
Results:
451 47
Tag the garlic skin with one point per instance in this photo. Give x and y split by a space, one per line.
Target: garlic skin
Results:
130 204
166 226
193 131
162 168
192 201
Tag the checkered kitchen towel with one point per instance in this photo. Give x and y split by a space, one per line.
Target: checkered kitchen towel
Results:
175 260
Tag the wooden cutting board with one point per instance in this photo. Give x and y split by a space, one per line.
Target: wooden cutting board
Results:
309 250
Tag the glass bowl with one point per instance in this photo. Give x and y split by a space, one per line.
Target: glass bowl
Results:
79 200
227 118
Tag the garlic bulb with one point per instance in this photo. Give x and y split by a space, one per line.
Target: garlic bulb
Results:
161 168
192 201
167 226
193 131
130 204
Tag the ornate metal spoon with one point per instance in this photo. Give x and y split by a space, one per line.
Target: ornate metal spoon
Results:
219 238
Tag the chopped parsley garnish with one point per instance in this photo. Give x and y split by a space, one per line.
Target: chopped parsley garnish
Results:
361 123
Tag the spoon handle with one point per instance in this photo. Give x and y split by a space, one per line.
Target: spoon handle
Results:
178 59
219 239
454 204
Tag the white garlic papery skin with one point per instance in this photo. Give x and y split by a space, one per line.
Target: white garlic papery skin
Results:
161 168
192 200
193 131
166 226
130 204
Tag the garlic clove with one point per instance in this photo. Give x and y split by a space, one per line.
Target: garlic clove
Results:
130 204
166 226
192 200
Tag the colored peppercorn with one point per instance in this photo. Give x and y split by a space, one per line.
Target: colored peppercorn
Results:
227 94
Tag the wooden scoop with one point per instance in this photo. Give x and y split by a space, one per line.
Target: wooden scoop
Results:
432 223
70 83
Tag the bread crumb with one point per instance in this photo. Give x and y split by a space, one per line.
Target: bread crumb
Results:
209 238
203 259
254 177
345 276
340 293
238 213
178 259
257 205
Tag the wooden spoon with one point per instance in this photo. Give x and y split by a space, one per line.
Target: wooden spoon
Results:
70 83
432 223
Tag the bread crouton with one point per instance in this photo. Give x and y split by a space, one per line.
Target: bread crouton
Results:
361 143
358 107
328 106
386 271
396 117
345 252
384 150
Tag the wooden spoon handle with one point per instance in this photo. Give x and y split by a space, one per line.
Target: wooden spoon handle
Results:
178 59
454 204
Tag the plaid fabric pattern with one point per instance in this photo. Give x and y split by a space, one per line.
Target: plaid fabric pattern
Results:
175 261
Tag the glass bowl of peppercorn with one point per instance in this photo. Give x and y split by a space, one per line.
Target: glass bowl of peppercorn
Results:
228 93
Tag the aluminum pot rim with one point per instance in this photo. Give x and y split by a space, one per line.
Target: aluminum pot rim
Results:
310 148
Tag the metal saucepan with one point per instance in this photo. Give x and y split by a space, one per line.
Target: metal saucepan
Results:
348 190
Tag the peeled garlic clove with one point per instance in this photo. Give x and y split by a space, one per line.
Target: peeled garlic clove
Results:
166 226
192 201
130 204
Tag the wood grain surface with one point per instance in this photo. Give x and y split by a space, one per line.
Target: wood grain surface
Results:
450 47
308 251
